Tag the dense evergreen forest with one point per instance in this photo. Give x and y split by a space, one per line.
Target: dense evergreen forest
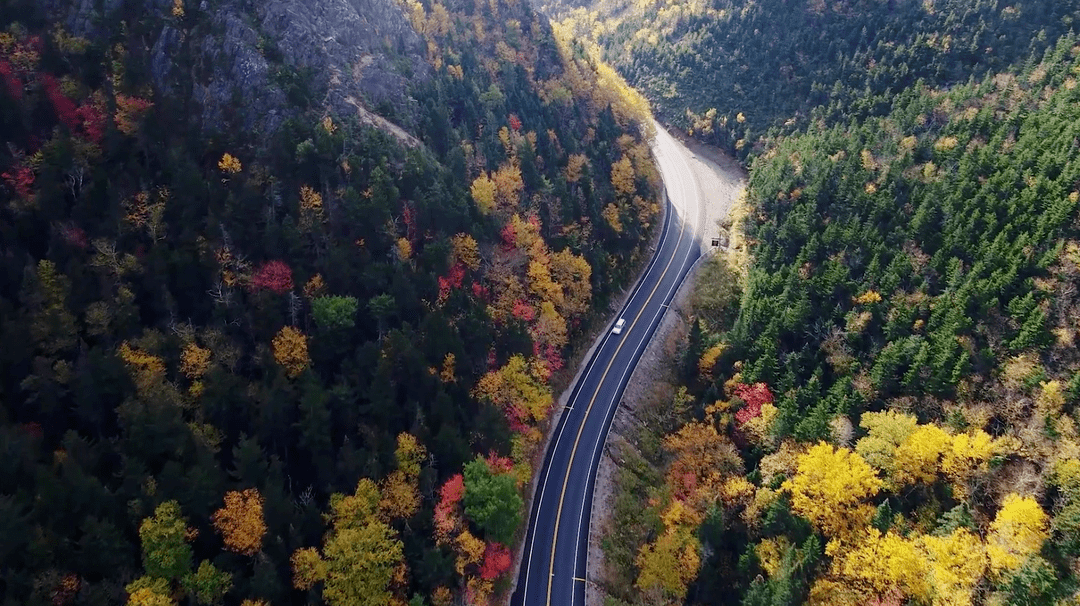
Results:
307 367
880 407
730 70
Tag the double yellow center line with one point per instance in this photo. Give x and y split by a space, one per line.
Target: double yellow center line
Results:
592 400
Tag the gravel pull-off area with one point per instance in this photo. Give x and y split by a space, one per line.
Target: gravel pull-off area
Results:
721 180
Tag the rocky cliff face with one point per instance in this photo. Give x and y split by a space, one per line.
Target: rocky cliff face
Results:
252 63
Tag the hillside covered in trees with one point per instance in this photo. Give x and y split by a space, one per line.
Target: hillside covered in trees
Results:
258 349
881 408
729 70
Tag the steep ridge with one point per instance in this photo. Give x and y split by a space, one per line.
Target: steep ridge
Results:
285 288
256 57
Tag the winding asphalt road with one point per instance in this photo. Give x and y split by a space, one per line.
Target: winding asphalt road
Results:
556 546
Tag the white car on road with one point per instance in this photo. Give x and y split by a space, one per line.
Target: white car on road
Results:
617 329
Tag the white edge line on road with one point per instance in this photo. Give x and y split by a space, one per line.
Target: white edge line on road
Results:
582 381
638 350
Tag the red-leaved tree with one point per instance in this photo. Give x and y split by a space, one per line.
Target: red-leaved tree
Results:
550 354
480 291
92 121
496 561
446 514
753 396
517 418
509 236
452 280
523 311
498 464
64 107
11 81
274 276
20 179
74 235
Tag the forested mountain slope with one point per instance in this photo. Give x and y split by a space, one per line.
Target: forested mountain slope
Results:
731 69
888 413
281 302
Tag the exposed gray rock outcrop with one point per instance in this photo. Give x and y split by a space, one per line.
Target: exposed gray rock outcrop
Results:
248 63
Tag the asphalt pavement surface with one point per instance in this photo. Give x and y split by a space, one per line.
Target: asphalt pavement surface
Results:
556 546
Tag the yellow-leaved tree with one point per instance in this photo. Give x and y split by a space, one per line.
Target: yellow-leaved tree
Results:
1017 532
483 193
575 166
574 274
886 431
470 551
311 208
708 359
956 563
403 249
291 351
611 216
400 490
194 361
550 327
508 185
541 284
362 560
229 164
969 454
146 368
446 374
830 489
465 250
146 596
880 564
622 177
668 565
698 450
517 385
918 458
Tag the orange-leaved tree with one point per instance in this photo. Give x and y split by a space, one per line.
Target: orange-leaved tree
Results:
240 522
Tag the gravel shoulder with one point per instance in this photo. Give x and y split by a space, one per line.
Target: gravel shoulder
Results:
721 181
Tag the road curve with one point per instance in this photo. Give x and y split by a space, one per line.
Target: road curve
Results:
556 546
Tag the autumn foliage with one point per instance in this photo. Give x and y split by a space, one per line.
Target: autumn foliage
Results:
11 81
192 316
65 108
361 561
291 351
831 488
400 490
21 180
240 521
497 561
274 276
753 397
447 517
130 113
194 360
229 164
1017 532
